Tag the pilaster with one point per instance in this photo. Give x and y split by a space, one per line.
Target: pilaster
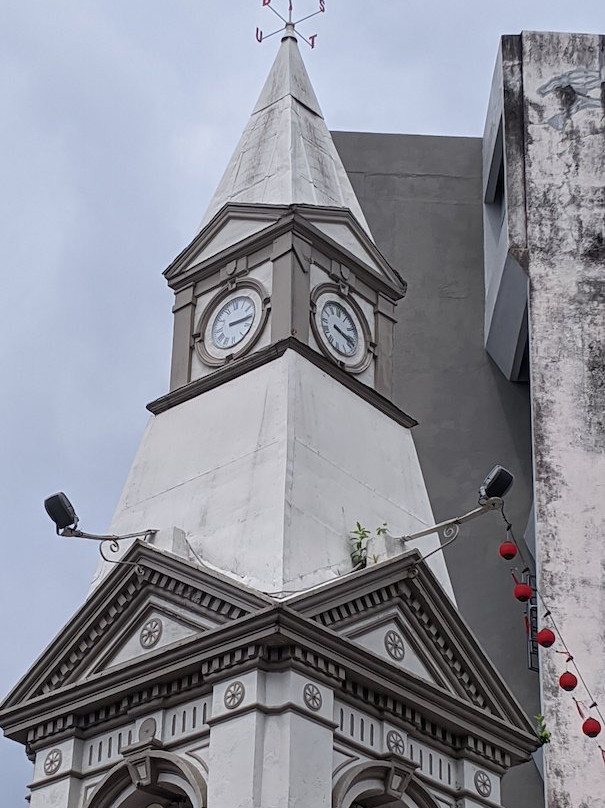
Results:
278 727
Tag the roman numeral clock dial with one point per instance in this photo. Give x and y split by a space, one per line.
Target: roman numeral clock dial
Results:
233 321
339 328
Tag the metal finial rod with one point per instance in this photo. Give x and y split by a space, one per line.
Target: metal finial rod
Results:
277 14
290 23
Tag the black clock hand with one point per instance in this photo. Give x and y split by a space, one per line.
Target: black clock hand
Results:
241 320
342 334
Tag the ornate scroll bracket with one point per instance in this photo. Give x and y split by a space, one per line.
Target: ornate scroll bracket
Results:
450 528
112 544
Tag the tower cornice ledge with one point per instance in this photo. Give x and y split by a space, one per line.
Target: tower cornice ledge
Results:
302 220
268 354
274 637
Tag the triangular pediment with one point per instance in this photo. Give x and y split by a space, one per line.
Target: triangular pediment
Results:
88 673
157 624
390 635
340 229
131 615
397 610
234 230
245 233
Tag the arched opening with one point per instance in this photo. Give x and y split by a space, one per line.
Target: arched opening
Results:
387 784
151 779
140 799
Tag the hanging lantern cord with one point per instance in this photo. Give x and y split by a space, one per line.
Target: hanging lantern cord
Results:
548 614
570 658
509 529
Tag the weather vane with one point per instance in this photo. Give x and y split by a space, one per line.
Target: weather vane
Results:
290 24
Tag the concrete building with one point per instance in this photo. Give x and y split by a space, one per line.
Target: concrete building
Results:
235 656
484 312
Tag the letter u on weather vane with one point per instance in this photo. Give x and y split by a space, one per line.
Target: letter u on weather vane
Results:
289 24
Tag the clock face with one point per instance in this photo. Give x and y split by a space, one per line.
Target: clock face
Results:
233 321
339 328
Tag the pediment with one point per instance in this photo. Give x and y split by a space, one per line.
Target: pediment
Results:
344 234
340 229
156 624
232 226
241 230
129 616
390 635
404 597
87 674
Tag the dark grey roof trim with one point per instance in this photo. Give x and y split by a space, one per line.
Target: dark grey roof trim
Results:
411 582
268 354
240 644
289 219
201 589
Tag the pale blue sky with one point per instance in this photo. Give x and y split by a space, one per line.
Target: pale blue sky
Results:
119 117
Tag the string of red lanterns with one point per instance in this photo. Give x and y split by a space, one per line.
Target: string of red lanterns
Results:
546 637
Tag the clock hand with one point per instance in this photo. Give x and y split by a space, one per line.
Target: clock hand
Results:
342 334
241 320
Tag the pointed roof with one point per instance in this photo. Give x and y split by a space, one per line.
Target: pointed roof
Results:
286 154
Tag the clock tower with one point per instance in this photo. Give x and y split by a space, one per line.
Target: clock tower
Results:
238 658
278 434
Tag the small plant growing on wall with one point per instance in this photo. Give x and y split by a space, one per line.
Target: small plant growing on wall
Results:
359 537
543 734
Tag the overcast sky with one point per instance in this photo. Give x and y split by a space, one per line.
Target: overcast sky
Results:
119 117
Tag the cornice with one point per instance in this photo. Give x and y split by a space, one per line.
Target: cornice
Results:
272 639
202 590
365 670
259 358
409 582
282 220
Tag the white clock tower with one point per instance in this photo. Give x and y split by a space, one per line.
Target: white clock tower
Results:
278 434
236 660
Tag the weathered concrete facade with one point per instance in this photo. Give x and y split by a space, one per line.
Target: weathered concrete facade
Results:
423 200
537 180
563 107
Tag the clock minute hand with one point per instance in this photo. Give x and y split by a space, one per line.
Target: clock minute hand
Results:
241 320
342 334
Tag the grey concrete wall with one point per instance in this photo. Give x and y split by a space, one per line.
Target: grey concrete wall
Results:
563 111
422 197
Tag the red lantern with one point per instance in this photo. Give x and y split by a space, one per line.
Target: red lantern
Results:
568 681
591 727
508 550
522 592
545 637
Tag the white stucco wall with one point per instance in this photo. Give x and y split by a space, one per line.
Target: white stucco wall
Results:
268 473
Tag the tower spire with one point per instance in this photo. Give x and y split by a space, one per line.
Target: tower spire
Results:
286 154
